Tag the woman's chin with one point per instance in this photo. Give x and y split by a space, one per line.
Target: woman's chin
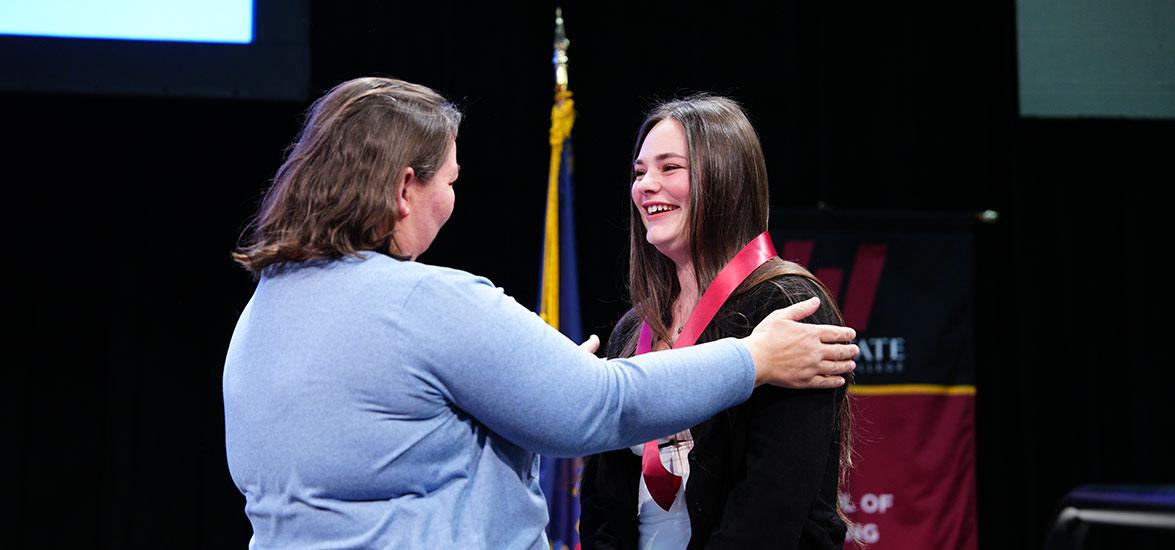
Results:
668 249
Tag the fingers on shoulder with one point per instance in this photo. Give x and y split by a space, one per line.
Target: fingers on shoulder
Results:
837 368
836 333
795 288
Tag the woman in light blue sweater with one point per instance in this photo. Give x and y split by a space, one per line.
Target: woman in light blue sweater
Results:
372 401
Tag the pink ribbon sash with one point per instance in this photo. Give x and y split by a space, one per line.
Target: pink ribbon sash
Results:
663 484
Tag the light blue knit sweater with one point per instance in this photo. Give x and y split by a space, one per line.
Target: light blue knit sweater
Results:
374 403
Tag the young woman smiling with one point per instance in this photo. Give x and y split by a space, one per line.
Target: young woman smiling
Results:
763 473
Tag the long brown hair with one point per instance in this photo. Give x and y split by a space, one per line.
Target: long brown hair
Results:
728 198
729 204
335 194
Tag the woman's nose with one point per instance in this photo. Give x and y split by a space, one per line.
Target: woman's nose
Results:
648 183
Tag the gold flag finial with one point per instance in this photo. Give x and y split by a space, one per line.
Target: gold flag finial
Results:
560 57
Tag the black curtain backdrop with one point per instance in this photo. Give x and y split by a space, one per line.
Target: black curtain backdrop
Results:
121 213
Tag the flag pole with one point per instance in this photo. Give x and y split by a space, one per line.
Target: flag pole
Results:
562 119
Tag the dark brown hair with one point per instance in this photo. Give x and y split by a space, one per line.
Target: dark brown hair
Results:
729 204
335 194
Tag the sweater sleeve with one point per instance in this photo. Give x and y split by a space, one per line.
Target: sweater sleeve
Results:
791 436
503 365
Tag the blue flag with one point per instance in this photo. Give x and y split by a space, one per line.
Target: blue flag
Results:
559 307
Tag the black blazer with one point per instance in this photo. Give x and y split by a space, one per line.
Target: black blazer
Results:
763 474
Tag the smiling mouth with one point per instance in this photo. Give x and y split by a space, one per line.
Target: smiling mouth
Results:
659 208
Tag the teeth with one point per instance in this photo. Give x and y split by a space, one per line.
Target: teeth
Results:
656 208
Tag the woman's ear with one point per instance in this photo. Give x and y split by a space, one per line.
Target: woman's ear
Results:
407 192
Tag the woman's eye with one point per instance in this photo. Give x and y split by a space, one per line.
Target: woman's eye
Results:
638 173
670 168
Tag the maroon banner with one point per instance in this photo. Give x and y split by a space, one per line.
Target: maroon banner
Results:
913 484
905 283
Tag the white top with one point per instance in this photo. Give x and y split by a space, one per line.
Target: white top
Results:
661 529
